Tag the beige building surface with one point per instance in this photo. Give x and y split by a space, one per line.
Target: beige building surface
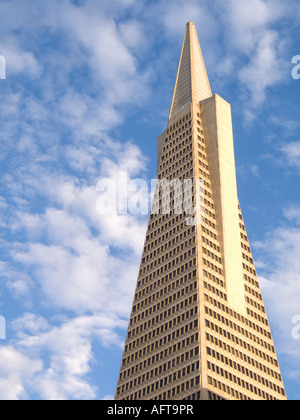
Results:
198 328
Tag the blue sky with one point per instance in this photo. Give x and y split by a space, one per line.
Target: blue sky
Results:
88 89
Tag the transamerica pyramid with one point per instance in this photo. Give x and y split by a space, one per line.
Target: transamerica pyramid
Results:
198 328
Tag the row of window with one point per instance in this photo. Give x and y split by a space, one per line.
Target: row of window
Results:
256 316
181 149
203 165
228 390
201 155
170 253
245 238
167 395
153 235
215 291
180 252
176 285
158 281
186 119
252 281
214 397
179 257
237 340
204 168
254 293
212 266
214 278
249 269
239 368
167 325
244 384
208 222
209 213
164 268
211 255
256 305
245 358
165 248
174 172
170 148
171 264
168 165
249 323
172 193
196 396
163 222
239 317
209 232
204 174
167 366
165 302
211 244
243 331
246 247
188 328
209 204
247 258
166 380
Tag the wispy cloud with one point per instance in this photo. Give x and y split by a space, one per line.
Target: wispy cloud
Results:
58 256
291 152
53 362
74 70
280 283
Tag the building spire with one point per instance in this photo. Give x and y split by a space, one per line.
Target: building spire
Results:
192 84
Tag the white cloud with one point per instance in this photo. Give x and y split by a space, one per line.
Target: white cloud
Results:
30 323
90 259
16 373
250 19
256 45
292 213
291 152
66 351
132 34
108 398
177 14
280 284
113 65
80 266
265 69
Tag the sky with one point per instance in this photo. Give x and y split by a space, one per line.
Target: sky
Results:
87 91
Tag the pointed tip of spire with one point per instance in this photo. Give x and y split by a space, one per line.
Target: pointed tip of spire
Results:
192 83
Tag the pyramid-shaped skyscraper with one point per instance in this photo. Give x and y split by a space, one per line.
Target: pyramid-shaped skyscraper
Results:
198 328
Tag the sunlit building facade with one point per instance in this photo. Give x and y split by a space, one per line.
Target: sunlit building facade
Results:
198 328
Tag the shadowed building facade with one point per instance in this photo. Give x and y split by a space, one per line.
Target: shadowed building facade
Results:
198 327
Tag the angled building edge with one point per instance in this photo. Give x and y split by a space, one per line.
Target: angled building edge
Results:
198 327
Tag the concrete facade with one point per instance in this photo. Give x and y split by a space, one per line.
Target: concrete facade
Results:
198 327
